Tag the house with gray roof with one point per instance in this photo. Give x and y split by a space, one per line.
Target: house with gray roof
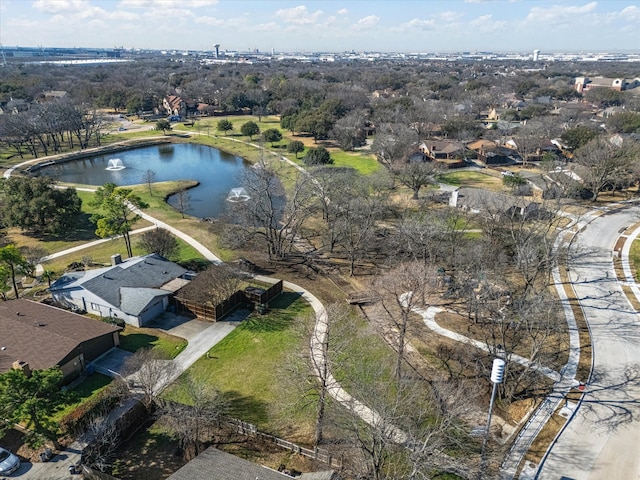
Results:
214 464
135 291
477 200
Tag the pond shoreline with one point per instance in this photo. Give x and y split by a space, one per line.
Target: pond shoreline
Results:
38 163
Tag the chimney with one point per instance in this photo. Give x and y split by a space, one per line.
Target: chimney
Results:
116 259
24 366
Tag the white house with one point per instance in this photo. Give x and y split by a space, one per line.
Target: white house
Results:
135 291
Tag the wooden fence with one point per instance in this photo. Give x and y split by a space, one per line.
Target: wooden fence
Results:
272 292
218 312
91 474
319 454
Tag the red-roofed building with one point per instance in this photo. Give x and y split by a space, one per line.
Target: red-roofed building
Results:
174 106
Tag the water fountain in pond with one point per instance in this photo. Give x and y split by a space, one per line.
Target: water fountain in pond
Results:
237 195
115 164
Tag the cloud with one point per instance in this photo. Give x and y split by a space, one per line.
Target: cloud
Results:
235 22
343 11
211 21
298 15
451 16
265 27
558 14
178 15
485 23
368 21
420 24
166 3
630 14
59 6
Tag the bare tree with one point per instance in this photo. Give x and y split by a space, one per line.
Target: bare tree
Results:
216 284
32 255
531 138
394 143
403 289
413 425
419 235
310 373
149 177
331 185
605 164
102 436
416 174
355 226
194 421
148 373
273 213
525 326
159 241
182 201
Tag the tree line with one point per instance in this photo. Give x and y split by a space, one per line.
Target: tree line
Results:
50 128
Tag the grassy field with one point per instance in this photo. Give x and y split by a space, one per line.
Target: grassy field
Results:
472 179
242 366
168 346
101 254
366 164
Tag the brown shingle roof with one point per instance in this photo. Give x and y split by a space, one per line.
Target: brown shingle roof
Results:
444 146
42 335
481 144
214 464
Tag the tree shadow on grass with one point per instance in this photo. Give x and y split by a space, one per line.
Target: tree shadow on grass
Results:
285 299
150 454
136 341
246 408
83 230
278 316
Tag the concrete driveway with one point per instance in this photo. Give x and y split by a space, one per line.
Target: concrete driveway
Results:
180 326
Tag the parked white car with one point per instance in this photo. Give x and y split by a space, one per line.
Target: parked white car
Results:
9 462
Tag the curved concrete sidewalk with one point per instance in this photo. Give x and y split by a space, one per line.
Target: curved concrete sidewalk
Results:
199 346
429 317
68 251
550 404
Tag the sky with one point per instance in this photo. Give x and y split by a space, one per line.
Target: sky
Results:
325 26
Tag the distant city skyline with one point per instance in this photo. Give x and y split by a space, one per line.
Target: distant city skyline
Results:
325 26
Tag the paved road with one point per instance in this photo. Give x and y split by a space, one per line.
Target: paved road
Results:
600 441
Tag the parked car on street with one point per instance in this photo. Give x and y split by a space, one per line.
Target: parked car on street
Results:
9 462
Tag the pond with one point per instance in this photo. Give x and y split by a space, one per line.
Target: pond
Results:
218 172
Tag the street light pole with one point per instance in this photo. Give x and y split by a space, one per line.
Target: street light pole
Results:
497 377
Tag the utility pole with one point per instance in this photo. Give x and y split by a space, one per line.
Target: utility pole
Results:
497 377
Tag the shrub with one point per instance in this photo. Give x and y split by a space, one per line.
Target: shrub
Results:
75 422
317 156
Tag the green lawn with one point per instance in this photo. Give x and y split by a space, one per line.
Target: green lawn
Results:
168 346
101 254
366 164
243 366
91 386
